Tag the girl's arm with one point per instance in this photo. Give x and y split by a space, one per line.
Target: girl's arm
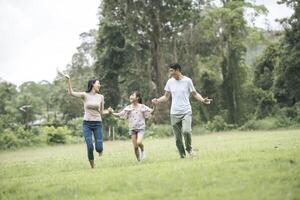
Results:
153 110
111 111
123 114
163 98
147 112
115 114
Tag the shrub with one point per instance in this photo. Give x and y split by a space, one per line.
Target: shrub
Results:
56 135
198 130
75 126
218 124
268 123
9 140
265 105
157 131
26 137
122 130
36 130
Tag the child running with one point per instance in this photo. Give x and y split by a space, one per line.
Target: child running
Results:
136 113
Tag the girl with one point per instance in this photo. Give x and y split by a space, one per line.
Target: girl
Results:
92 120
136 113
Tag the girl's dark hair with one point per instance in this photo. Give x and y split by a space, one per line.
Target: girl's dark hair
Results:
90 85
138 95
175 66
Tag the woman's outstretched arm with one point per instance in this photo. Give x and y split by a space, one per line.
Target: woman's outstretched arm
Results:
70 90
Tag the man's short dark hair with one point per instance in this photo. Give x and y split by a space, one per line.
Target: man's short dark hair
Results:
175 66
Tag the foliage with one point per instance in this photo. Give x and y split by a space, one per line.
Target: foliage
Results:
218 124
251 74
75 126
56 135
9 140
159 131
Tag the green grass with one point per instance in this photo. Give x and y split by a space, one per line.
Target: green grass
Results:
231 165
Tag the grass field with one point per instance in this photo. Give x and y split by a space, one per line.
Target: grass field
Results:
232 165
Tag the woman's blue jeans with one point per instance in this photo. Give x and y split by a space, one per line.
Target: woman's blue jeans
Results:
90 128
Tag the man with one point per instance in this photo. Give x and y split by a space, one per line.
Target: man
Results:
180 87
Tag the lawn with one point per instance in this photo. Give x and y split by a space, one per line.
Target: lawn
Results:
228 165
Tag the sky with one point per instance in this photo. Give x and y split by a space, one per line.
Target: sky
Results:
39 36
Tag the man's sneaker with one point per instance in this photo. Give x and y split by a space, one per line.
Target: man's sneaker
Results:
142 155
192 153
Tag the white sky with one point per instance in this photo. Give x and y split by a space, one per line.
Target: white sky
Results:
37 36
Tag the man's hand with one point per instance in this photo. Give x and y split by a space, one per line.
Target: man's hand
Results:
155 101
207 100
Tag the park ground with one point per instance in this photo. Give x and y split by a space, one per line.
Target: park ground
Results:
228 165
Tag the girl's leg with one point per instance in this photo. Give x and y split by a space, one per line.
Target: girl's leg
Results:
98 138
87 133
139 142
135 146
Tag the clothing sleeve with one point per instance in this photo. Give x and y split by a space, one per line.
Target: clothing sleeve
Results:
78 94
191 86
146 111
167 87
124 113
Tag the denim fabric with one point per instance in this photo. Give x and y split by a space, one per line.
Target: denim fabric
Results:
90 128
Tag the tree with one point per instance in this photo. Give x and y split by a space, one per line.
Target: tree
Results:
287 83
8 93
226 33
265 67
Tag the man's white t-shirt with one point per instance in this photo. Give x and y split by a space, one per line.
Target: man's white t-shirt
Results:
180 91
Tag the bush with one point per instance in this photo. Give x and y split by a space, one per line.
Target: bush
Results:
158 131
218 124
26 137
9 140
56 135
265 105
75 126
36 130
268 123
297 109
199 130
122 129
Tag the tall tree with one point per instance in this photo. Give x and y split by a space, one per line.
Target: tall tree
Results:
287 83
141 31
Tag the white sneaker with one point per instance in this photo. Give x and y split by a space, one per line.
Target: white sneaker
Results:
142 155
192 153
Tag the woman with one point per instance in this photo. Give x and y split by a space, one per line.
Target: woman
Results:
92 120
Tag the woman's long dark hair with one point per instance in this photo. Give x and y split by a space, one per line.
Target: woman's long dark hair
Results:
138 95
90 85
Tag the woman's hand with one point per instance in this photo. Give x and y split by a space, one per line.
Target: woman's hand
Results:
63 74
110 110
66 76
